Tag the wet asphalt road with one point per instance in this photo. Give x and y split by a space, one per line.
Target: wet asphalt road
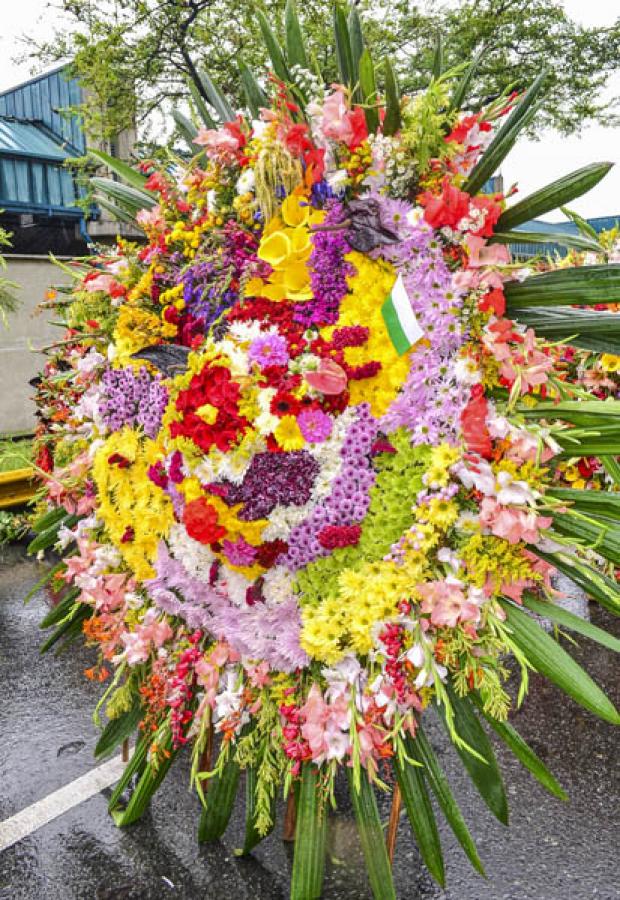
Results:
552 851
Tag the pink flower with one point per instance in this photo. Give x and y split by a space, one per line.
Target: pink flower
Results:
269 350
151 218
482 255
152 632
315 425
512 524
447 603
329 378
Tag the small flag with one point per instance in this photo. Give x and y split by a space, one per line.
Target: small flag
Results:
400 320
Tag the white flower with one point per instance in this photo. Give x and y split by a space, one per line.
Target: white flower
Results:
416 656
246 181
467 372
510 491
337 180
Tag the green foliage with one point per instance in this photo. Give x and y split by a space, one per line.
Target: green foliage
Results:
13 527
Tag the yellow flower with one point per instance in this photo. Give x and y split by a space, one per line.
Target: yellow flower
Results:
275 249
442 513
610 362
288 434
295 210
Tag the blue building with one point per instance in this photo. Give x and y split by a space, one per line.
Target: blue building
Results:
38 193
525 251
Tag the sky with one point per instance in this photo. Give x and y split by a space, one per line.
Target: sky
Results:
531 164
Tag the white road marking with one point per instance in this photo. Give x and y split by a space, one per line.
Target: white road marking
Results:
23 823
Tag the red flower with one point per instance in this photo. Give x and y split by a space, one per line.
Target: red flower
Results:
474 425
448 208
357 121
333 536
493 212
494 302
200 519
267 553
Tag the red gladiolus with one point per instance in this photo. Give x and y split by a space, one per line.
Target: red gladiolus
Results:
448 208
494 302
473 424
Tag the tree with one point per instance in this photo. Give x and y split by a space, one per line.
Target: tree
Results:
136 56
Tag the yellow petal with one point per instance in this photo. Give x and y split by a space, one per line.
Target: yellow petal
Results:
275 249
295 210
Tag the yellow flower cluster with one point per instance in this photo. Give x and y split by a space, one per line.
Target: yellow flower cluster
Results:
135 512
136 329
367 596
188 234
610 362
142 289
369 288
286 245
358 164
489 556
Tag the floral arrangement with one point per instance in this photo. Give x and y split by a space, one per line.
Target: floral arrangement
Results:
307 453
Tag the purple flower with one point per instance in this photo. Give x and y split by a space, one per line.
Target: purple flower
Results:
269 350
315 425
239 552
133 398
274 479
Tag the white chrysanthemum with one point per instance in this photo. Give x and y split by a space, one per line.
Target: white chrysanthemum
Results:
277 585
245 331
197 558
234 585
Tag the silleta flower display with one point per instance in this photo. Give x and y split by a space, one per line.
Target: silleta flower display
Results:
307 451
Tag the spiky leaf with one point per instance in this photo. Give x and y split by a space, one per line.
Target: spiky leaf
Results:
371 836
273 48
552 661
119 729
217 99
295 49
117 212
585 285
253 92
596 585
421 816
393 118
546 237
553 195
438 57
598 502
462 88
124 171
128 198
344 56
310 836
568 620
368 88
186 129
356 37
150 781
252 836
201 107
598 331
220 798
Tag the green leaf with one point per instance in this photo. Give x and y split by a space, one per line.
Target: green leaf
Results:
598 331
462 88
343 46
54 570
124 171
505 138
421 816
438 57
128 198
45 539
295 49
552 661
553 195
546 237
584 285
573 410
60 609
419 748
356 40
217 99
115 211
486 776
150 780
252 835
371 837
569 620
590 532
612 467
584 227
393 119
69 629
50 518
186 129
201 107
273 48
368 87
523 752
310 836
253 91
220 800
119 729
602 502
596 585
134 766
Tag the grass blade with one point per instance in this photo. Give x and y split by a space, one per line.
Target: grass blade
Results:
552 661
343 46
437 69
462 88
150 780
124 171
368 88
371 837
216 98
273 48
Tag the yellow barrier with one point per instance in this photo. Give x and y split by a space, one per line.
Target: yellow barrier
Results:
16 487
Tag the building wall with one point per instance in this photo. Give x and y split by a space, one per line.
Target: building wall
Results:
25 329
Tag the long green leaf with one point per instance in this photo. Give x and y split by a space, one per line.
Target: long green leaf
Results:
437 69
343 46
420 749
585 285
252 835
135 766
117 212
356 40
216 98
598 331
50 518
591 532
70 628
45 539
524 753
119 729
462 88
421 816
552 661
569 620
603 502
393 118
597 585
253 92
368 87
54 570
273 48
371 837
220 799
505 138
60 609
125 196
186 129
546 237
150 780
201 107
128 174
310 836
295 50
553 195
612 467
486 776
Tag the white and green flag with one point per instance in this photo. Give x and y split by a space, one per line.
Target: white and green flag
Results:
400 320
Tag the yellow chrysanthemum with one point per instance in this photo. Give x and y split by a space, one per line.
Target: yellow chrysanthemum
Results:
288 434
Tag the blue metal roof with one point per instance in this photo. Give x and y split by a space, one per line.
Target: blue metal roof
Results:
25 139
599 223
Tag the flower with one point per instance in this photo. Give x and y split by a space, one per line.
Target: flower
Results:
314 425
288 434
269 350
200 519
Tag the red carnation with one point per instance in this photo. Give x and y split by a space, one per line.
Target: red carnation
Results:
267 553
333 536
200 519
